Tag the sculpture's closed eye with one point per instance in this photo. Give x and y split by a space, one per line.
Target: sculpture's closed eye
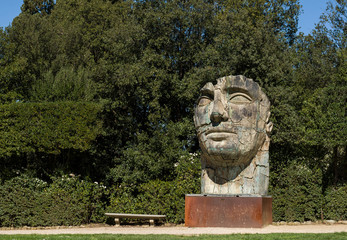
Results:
203 101
240 98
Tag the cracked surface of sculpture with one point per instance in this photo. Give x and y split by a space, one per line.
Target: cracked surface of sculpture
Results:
232 123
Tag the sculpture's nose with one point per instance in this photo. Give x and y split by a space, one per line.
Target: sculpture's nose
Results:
218 112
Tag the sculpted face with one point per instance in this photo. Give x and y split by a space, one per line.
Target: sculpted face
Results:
231 118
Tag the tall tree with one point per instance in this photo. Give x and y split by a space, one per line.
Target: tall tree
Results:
324 107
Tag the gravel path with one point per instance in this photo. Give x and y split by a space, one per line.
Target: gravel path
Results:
180 230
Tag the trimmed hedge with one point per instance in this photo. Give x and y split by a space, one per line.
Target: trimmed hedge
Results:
47 127
160 197
26 201
297 193
68 200
154 197
335 206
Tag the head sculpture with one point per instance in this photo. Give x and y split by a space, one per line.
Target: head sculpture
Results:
232 122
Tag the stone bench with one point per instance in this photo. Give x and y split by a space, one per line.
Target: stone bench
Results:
118 216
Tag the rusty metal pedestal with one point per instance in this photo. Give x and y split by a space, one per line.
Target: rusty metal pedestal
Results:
244 211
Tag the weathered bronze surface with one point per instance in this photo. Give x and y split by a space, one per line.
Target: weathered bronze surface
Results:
228 211
232 122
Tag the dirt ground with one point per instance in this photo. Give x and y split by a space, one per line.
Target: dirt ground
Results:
178 230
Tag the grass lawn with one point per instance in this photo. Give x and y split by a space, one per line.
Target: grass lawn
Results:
274 236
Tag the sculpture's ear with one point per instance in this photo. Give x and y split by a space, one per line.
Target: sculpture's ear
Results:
268 117
195 121
269 125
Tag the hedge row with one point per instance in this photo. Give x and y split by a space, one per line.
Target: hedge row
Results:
26 201
298 196
47 127
68 200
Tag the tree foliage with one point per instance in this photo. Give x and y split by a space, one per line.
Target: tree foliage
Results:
37 6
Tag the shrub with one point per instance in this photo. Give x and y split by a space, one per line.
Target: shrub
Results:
160 197
335 206
297 193
72 201
26 201
18 201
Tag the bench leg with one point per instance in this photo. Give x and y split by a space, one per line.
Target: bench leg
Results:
151 222
117 222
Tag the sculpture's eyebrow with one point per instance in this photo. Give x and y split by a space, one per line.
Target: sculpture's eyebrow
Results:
233 90
208 89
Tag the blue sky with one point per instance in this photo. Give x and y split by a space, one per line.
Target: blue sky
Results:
312 9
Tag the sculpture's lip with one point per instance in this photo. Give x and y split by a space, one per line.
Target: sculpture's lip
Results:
219 136
220 130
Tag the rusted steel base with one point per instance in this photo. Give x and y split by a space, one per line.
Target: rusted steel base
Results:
243 211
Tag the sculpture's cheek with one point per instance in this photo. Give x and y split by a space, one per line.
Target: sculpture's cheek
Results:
236 115
244 115
246 112
245 137
202 115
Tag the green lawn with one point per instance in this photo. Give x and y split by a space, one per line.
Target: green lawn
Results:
275 236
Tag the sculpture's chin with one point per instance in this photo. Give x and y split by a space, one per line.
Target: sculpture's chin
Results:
229 157
231 154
